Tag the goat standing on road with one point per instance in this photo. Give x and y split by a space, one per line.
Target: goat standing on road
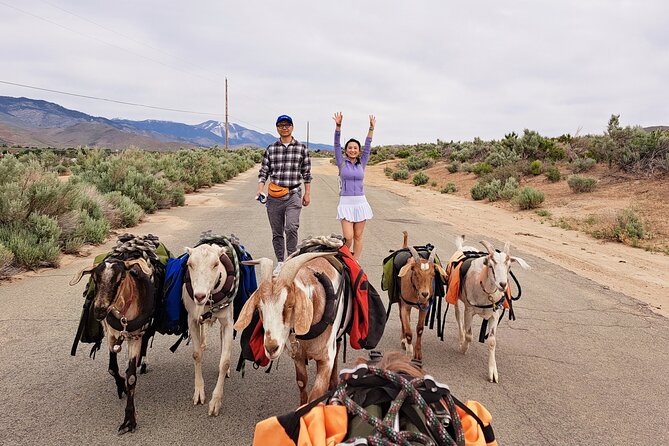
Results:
124 303
210 287
482 292
416 291
290 302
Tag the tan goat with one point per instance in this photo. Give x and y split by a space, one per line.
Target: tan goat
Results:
416 291
482 293
290 302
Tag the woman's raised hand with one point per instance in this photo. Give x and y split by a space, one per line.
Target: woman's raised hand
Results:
338 117
372 122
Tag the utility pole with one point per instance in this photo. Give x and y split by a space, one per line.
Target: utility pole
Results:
307 134
226 113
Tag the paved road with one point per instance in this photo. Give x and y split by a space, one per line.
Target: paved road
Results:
580 365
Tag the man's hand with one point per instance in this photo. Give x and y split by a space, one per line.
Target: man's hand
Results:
306 199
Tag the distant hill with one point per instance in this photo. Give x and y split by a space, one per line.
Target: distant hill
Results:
37 123
657 127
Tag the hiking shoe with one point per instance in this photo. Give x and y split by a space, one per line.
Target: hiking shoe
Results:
277 268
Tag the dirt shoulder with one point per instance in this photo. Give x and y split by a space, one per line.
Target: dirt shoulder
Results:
637 273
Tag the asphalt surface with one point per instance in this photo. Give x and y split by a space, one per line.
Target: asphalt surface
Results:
580 365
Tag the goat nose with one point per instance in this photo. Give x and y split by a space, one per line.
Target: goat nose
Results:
502 285
199 296
425 294
271 348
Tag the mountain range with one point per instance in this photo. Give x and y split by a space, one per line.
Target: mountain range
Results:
35 123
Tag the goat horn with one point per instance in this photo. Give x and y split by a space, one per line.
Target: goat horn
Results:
293 265
77 277
265 266
488 246
414 253
507 248
432 254
142 264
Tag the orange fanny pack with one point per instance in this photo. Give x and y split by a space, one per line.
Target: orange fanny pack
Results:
276 191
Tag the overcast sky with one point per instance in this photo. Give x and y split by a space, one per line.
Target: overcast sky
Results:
428 70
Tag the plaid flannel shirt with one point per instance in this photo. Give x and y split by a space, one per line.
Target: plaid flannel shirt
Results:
286 166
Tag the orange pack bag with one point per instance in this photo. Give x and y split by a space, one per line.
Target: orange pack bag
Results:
276 191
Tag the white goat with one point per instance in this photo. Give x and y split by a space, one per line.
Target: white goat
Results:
207 278
290 302
482 293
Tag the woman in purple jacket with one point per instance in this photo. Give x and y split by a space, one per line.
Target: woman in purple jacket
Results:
353 210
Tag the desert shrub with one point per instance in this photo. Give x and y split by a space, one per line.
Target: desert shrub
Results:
580 184
580 165
467 167
449 188
91 230
72 245
417 163
45 228
388 171
401 174
553 174
420 178
629 226
543 212
127 213
502 155
503 173
6 258
403 153
509 190
28 249
453 167
535 167
482 169
478 191
433 184
529 198
493 189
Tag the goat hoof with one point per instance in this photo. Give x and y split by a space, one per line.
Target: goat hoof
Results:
127 426
142 368
198 397
214 407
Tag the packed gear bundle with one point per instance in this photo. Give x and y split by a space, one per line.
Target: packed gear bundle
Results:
457 269
395 405
128 247
367 319
390 282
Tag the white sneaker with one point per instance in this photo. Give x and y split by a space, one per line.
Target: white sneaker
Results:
277 268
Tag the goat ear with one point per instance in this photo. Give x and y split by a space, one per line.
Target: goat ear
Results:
189 251
520 261
246 314
77 277
404 270
142 264
303 312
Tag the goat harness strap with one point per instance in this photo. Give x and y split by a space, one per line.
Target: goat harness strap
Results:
330 311
222 290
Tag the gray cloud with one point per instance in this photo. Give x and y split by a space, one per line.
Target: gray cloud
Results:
427 69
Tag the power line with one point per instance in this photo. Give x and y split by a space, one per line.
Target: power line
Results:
134 104
105 42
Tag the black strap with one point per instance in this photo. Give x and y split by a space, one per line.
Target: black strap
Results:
291 421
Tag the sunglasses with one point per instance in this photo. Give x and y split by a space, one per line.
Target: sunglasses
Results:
283 126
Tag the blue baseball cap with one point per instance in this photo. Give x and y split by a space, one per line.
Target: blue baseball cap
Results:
284 118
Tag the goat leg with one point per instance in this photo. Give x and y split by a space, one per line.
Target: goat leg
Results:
493 376
334 377
301 375
405 319
130 422
113 371
225 323
323 371
418 349
145 346
197 331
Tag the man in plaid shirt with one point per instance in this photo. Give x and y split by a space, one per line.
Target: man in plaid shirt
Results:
286 163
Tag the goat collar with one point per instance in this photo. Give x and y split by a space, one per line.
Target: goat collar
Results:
221 291
483 277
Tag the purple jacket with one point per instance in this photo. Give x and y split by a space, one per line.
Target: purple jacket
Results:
351 175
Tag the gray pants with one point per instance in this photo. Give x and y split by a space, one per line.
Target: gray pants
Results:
284 216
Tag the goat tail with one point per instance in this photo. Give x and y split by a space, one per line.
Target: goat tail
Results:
406 239
459 242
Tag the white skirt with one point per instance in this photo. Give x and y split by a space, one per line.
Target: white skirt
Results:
354 208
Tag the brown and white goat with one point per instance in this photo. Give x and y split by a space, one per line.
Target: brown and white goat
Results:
416 291
289 302
482 292
207 279
124 303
